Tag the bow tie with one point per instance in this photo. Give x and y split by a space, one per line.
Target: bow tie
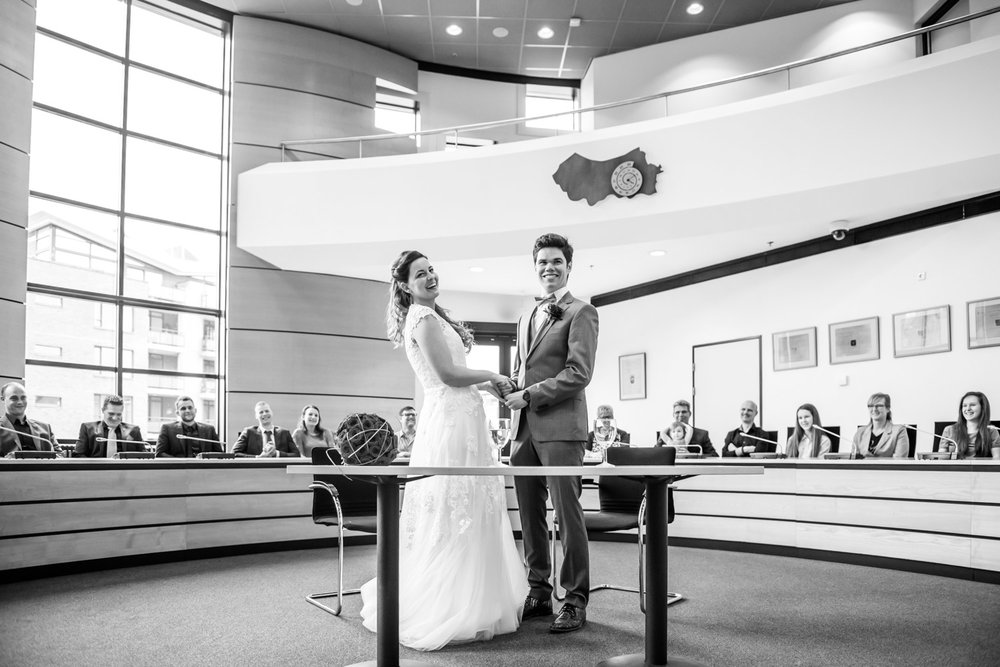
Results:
550 298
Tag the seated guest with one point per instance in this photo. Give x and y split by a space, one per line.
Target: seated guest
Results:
311 433
198 438
806 441
264 439
695 436
408 433
110 435
674 435
880 437
735 445
972 433
17 432
605 413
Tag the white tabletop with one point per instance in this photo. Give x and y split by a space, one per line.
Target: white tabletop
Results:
527 471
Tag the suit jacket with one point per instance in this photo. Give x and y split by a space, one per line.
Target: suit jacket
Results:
251 442
41 434
893 442
623 437
733 437
699 436
167 444
129 439
555 368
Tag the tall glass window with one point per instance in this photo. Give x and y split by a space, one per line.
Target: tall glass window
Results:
127 216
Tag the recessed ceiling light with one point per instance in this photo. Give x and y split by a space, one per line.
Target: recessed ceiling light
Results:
477 269
545 32
454 30
695 8
657 253
355 3
500 32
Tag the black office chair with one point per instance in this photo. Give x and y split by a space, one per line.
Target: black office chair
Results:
623 507
347 504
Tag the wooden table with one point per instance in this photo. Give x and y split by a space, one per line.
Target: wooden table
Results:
656 479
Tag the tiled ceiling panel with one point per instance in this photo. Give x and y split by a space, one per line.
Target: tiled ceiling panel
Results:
416 28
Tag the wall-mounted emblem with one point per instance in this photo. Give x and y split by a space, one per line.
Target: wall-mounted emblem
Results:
625 176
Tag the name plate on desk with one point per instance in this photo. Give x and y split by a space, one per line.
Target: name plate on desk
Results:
216 455
838 455
32 454
933 456
766 455
134 455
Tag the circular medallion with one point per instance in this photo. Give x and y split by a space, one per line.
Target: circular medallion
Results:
626 179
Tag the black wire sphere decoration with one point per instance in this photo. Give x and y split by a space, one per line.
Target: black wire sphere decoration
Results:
366 439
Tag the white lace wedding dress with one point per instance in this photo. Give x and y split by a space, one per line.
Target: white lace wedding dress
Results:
461 577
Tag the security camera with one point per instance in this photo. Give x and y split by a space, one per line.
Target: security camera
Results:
839 229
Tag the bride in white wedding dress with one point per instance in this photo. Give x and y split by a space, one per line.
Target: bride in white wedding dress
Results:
461 577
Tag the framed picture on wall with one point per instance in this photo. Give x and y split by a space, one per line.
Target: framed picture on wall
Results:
852 341
632 376
984 322
794 349
922 331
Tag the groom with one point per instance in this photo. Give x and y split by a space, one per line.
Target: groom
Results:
556 343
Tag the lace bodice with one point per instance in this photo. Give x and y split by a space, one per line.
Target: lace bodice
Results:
425 374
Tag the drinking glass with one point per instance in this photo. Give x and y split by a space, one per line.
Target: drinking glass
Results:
605 436
499 436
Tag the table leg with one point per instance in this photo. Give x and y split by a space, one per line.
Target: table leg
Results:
387 574
656 584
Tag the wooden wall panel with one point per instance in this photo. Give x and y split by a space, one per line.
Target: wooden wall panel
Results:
985 488
265 361
204 535
929 485
12 333
753 531
944 549
14 260
33 518
288 407
986 555
774 479
114 479
73 547
307 303
286 41
13 187
15 121
262 506
17 37
935 517
735 504
267 116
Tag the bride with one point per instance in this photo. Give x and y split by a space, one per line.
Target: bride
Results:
461 577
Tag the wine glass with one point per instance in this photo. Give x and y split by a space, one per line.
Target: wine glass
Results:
605 436
500 436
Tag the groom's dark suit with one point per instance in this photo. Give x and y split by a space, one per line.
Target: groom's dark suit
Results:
555 366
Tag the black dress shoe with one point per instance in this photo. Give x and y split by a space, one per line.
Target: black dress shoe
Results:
534 607
570 619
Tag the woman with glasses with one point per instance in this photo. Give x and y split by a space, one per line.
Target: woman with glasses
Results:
972 434
881 438
807 442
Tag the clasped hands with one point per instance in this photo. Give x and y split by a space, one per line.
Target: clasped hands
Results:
504 389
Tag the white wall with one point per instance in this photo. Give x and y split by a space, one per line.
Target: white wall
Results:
704 58
880 278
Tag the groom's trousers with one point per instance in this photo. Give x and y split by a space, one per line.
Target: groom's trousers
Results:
574 575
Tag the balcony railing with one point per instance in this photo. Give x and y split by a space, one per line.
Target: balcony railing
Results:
453 132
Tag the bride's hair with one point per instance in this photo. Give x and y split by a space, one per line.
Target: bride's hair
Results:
400 300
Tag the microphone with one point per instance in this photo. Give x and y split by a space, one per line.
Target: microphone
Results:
820 428
753 437
191 437
53 445
940 437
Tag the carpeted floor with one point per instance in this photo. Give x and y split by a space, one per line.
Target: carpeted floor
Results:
742 609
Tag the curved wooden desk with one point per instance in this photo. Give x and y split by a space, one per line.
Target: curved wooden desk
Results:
656 479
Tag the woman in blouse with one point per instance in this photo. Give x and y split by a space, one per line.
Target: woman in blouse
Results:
972 434
807 441
310 433
880 437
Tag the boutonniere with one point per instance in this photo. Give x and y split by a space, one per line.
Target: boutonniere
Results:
554 312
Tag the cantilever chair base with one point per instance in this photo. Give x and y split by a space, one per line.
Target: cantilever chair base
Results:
315 597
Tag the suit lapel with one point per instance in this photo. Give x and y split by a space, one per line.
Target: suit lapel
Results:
563 303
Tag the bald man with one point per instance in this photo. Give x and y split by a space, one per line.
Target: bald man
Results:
737 444
17 432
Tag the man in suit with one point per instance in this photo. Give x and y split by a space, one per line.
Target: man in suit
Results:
695 436
736 444
605 413
109 435
556 344
406 435
17 432
195 435
264 439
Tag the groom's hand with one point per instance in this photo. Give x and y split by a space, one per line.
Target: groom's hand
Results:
504 387
516 400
